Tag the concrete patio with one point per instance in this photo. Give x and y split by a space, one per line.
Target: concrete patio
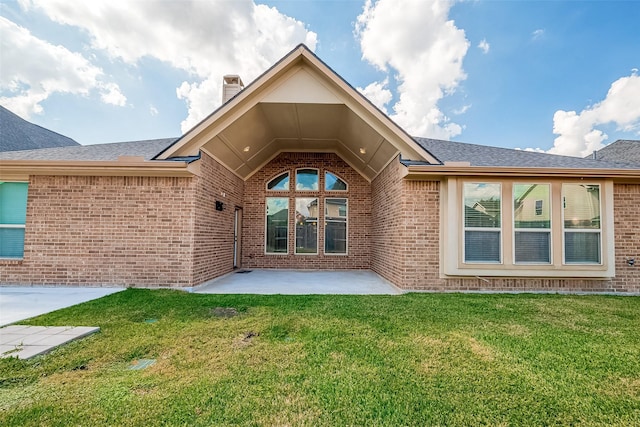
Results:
300 282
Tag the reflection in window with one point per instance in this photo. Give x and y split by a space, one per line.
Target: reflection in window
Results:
276 241
532 223
306 225
13 216
279 183
333 183
335 226
581 218
482 216
307 180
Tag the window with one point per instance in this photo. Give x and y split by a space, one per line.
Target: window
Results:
277 229
335 226
333 183
306 225
482 218
532 223
582 228
279 183
307 180
13 216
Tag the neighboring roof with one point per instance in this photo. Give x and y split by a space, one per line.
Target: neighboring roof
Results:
98 152
482 155
622 150
18 134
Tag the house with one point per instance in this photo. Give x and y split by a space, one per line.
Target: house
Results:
299 171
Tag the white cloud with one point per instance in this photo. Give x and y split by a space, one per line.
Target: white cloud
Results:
537 34
206 38
484 46
415 43
33 70
577 132
378 94
153 110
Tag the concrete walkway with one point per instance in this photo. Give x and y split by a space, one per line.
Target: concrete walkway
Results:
25 342
22 302
300 282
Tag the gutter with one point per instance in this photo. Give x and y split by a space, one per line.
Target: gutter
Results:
124 166
422 172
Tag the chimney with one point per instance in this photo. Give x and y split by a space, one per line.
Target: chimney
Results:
231 86
595 155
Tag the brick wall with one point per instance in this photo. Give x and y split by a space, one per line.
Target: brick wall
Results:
359 215
388 248
626 202
133 231
214 230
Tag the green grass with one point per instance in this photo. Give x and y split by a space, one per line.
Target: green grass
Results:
417 359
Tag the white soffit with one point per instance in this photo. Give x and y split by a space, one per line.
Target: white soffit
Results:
299 105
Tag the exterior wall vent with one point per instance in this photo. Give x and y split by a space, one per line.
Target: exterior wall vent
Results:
231 85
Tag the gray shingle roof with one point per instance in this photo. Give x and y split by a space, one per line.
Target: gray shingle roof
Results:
622 150
104 152
481 155
18 134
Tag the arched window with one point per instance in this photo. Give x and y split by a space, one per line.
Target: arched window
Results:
279 183
333 183
307 179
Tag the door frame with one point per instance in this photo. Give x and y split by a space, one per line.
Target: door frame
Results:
237 237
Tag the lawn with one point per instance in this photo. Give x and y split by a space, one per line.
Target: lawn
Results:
416 359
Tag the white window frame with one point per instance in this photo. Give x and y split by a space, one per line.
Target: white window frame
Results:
271 190
295 231
324 184
532 230
346 243
295 187
582 230
266 225
451 254
498 230
16 226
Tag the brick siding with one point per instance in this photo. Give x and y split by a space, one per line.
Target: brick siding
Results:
127 231
214 230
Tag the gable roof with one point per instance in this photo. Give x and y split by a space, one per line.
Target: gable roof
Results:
299 104
97 152
622 150
482 155
19 134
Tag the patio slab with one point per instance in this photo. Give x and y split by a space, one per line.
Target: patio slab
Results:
25 342
300 282
22 302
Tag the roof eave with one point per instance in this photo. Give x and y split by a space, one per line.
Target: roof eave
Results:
429 172
22 169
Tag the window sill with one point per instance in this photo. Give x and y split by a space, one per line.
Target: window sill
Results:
11 261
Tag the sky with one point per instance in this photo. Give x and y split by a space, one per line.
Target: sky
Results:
553 76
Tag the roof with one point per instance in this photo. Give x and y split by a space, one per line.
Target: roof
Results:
18 134
97 152
622 150
482 155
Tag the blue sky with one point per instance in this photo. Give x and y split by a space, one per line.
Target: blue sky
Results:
557 76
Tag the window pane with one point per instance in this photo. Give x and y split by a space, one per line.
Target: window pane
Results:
482 246
13 202
333 183
582 248
277 224
306 225
307 179
279 183
534 247
482 205
335 229
531 206
11 242
581 206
